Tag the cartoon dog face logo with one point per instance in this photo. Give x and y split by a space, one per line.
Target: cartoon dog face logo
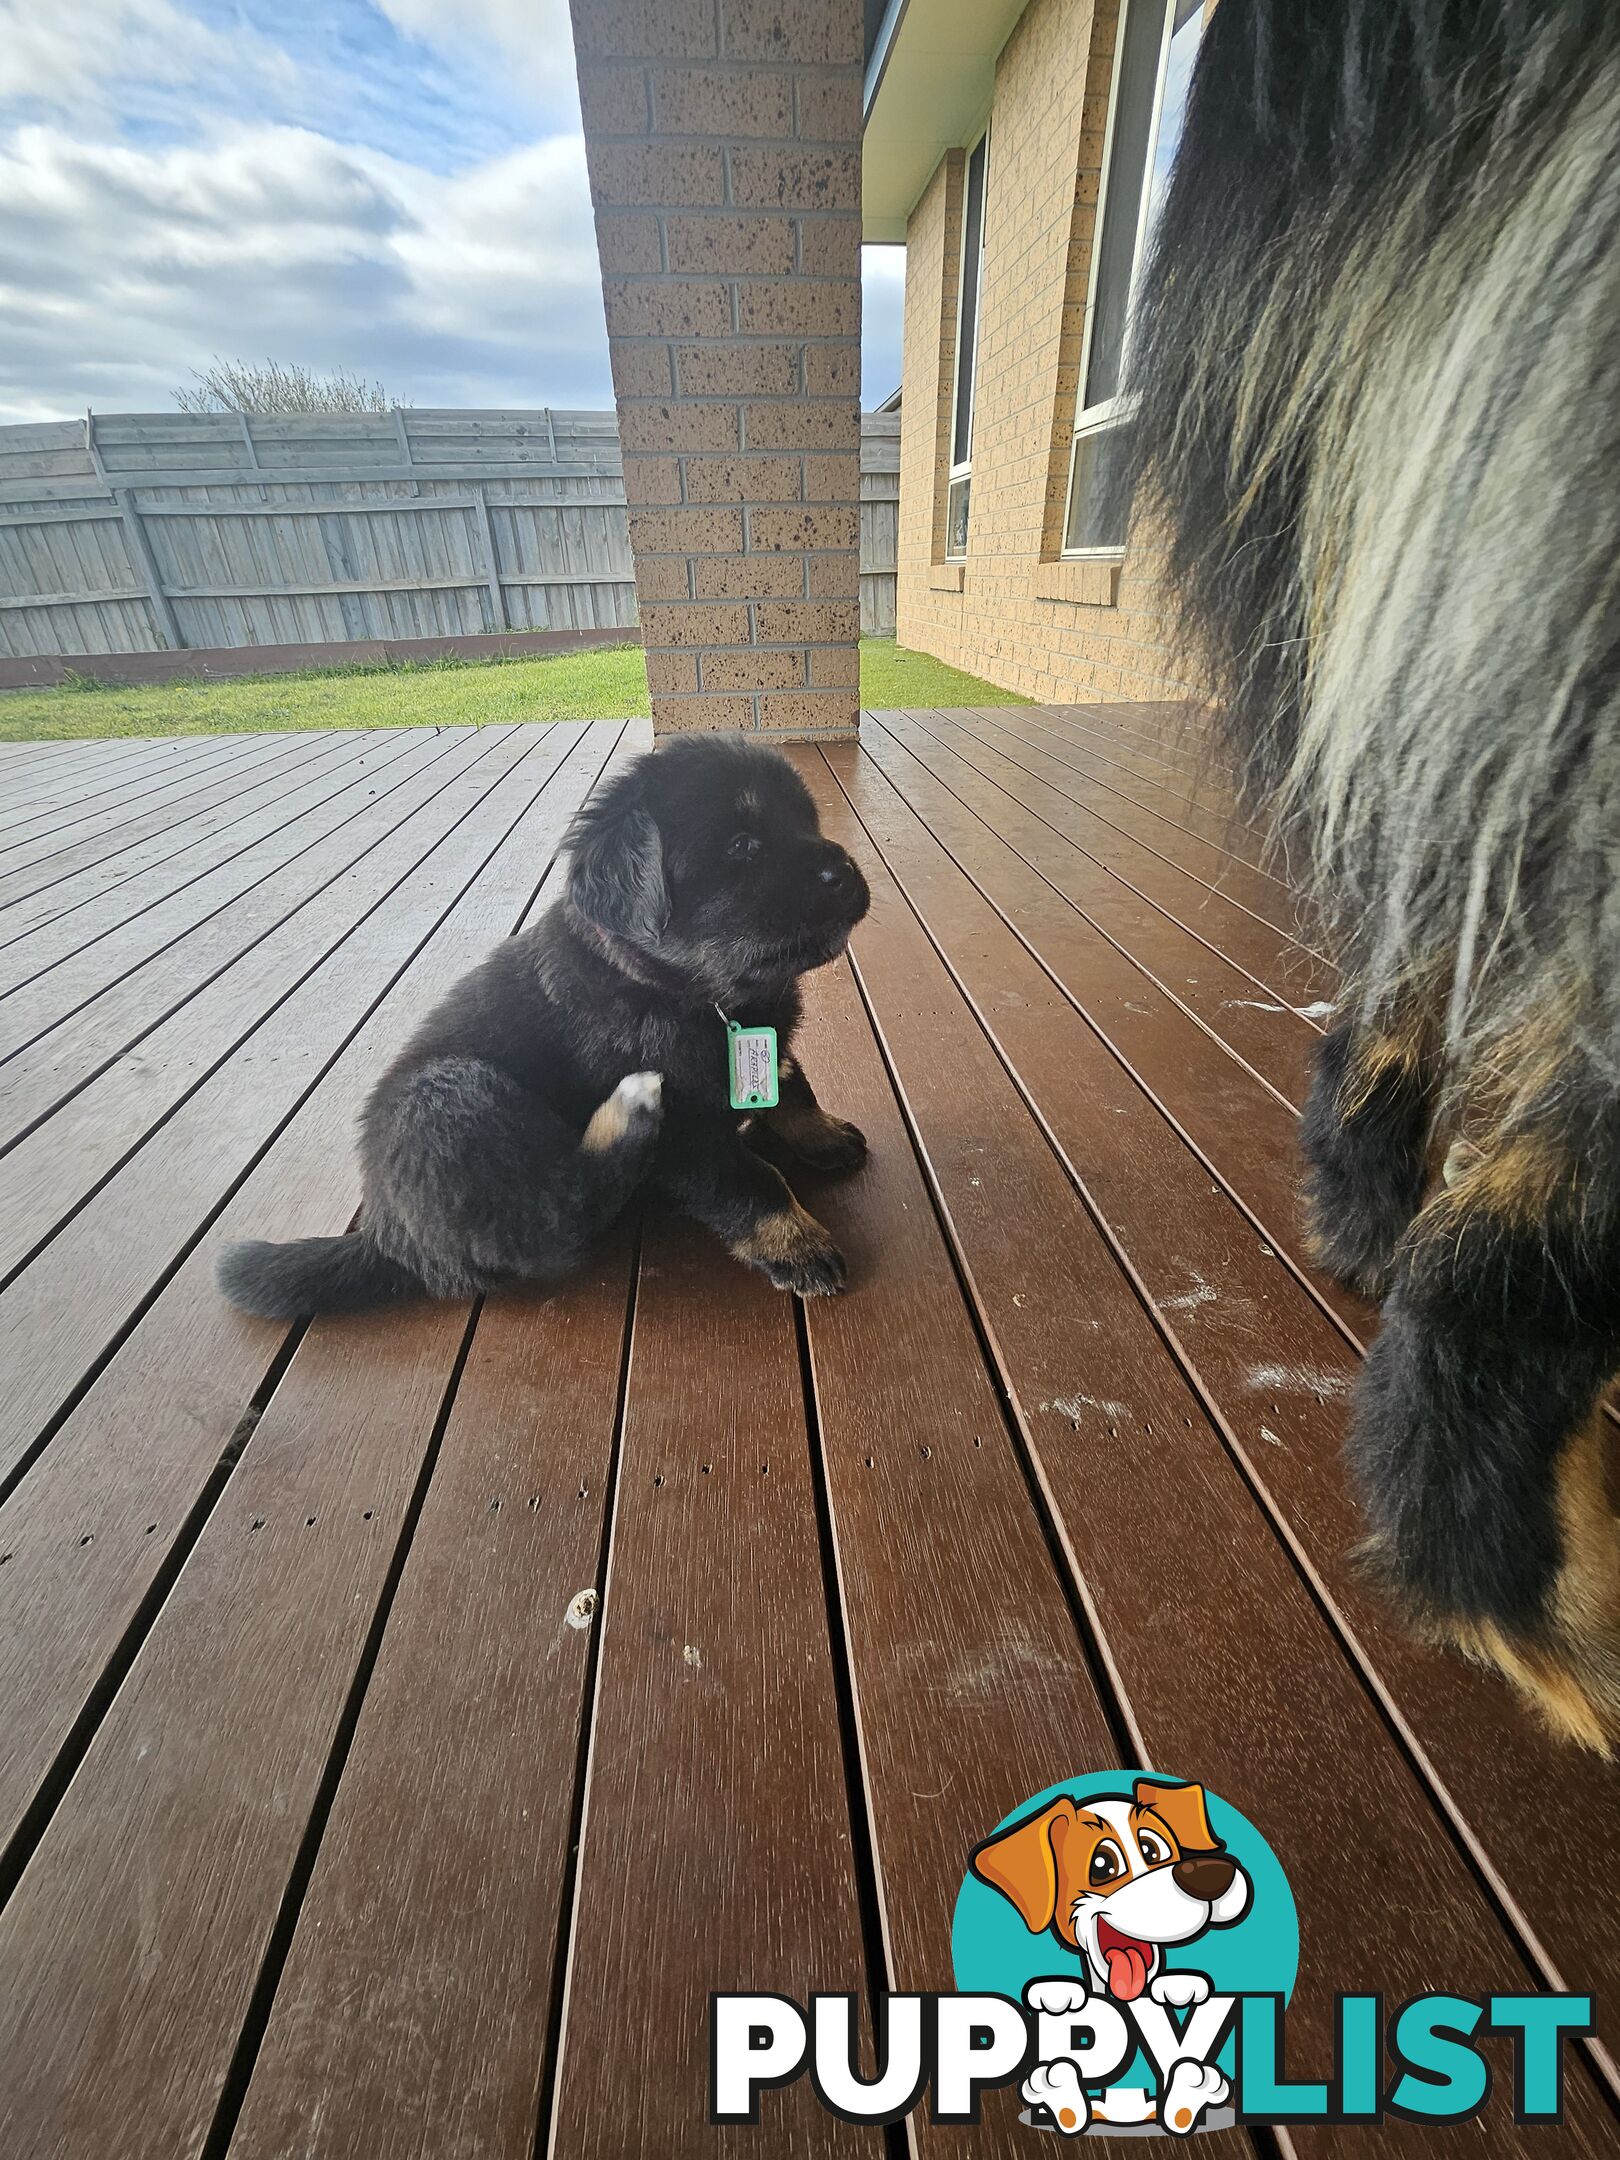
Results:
1118 1878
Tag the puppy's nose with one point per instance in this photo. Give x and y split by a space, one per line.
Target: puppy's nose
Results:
837 872
1205 1876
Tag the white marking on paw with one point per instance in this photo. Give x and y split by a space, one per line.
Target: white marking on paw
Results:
1190 2088
640 1091
1179 1989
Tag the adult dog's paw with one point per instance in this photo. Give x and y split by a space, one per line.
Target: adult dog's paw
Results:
795 1251
1190 2088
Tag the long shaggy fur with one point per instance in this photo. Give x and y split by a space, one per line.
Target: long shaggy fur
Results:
1379 352
1378 366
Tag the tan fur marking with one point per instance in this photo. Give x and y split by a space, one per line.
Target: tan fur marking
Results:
1403 1048
1547 1685
776 1240
1520 1182
1572 1679
609 1123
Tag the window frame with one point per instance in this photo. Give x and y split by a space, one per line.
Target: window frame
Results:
959 470
1091 420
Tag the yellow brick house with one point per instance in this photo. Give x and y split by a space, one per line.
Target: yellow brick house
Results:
1018 149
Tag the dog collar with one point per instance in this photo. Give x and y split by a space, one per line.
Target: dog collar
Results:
641 968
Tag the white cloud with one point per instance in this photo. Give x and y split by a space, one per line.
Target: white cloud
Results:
531 39
122 268
62 53
174 187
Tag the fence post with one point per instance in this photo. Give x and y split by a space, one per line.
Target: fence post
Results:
252 451
146 562
403 435
497 591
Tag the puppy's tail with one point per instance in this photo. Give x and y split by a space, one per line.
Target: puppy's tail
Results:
311 1275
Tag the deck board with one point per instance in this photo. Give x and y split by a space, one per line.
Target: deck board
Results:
95 835
331 1836
441 1872
93 944
1109 1414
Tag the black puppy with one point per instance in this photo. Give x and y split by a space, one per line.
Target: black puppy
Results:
592 1051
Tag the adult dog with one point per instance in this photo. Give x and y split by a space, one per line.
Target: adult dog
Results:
1378 358
592 1051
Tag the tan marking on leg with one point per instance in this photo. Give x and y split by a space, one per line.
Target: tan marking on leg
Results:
609 1123
1402 1049
1521 1181
777 1240
1570 1676
610 1120
1539 1674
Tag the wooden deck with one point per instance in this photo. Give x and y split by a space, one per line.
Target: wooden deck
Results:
336 1822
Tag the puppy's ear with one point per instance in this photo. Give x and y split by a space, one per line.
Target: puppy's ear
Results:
1183 1810
616 874
1024 1863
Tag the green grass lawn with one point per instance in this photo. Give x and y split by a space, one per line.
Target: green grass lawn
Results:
609 683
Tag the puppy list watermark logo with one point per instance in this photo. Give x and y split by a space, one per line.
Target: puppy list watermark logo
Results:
1124 1950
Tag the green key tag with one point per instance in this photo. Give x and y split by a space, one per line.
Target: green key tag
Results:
751 1055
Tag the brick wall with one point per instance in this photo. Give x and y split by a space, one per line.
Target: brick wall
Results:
723 142
1014 613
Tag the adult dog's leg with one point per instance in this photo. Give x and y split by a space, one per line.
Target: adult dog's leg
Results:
712 1176
806 1131
1477 1435
1365 1133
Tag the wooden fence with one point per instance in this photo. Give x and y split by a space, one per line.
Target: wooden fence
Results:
133 532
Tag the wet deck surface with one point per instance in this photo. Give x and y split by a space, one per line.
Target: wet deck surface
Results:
336 1821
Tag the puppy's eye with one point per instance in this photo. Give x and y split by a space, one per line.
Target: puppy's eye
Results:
1154 1850
744 848
1107 1864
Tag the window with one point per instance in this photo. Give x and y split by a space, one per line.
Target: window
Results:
967 338
1157 42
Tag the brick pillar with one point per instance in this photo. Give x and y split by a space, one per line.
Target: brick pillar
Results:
723 138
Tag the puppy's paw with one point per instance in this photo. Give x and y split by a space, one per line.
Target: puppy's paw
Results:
1056 2087
634 1111
827 1143
1179 1990
642 1091
793 1249
1190 2089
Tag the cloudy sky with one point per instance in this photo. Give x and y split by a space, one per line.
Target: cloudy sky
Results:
395 188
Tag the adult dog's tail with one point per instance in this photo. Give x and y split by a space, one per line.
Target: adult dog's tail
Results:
312 1275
